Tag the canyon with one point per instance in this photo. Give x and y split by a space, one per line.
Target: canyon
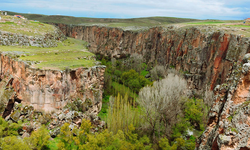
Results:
206 57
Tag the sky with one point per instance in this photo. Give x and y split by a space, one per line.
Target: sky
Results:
197 9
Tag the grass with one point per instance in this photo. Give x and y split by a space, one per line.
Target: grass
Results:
206 22
147 21
26 27
53 144
240 26
70 53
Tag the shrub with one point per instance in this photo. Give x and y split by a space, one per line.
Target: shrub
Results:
158 72
13 143
39 139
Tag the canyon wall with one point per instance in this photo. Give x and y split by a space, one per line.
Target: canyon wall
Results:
206 57
50 90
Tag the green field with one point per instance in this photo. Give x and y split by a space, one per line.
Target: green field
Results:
26 27
71 53
206 22
148 21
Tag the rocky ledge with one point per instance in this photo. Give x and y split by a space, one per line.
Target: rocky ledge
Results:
46 40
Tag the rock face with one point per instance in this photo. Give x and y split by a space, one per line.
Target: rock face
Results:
51 89
206 58
228 127
212 58
47 40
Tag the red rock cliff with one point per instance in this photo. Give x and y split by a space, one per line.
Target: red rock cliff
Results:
207 58
51 89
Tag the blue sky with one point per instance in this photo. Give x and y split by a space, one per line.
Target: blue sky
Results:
198 9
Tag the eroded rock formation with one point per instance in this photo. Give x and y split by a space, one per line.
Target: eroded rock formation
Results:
206 57
51 89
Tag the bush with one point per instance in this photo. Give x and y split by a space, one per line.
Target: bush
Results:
194 113
13 143
134 81
158 72
39 139
7 129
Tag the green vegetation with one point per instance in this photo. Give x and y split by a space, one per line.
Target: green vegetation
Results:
84 139
133 80
122 114
13 24
52 145
207 22
39 139
169 129
142 22
71 53
241 26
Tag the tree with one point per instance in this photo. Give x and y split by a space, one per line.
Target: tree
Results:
158 72
66 137
13 143
136 61
162 103
82 133
121 114
133 80
39 139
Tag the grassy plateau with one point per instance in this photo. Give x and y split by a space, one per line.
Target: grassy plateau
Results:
71 53
13 24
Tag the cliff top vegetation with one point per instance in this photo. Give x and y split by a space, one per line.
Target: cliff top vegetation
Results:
227 26
71 53
147 21
23 26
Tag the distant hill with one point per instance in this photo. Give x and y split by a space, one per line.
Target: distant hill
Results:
148 21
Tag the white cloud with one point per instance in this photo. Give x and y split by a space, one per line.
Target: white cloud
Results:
141 8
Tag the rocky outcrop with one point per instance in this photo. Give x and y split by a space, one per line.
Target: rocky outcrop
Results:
228 127
205 56
50 90
33 119
47 40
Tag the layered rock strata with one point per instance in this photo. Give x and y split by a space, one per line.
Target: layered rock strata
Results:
50 90
47 40
205 56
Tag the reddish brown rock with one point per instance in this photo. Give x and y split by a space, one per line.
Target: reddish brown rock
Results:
207 58
51 89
